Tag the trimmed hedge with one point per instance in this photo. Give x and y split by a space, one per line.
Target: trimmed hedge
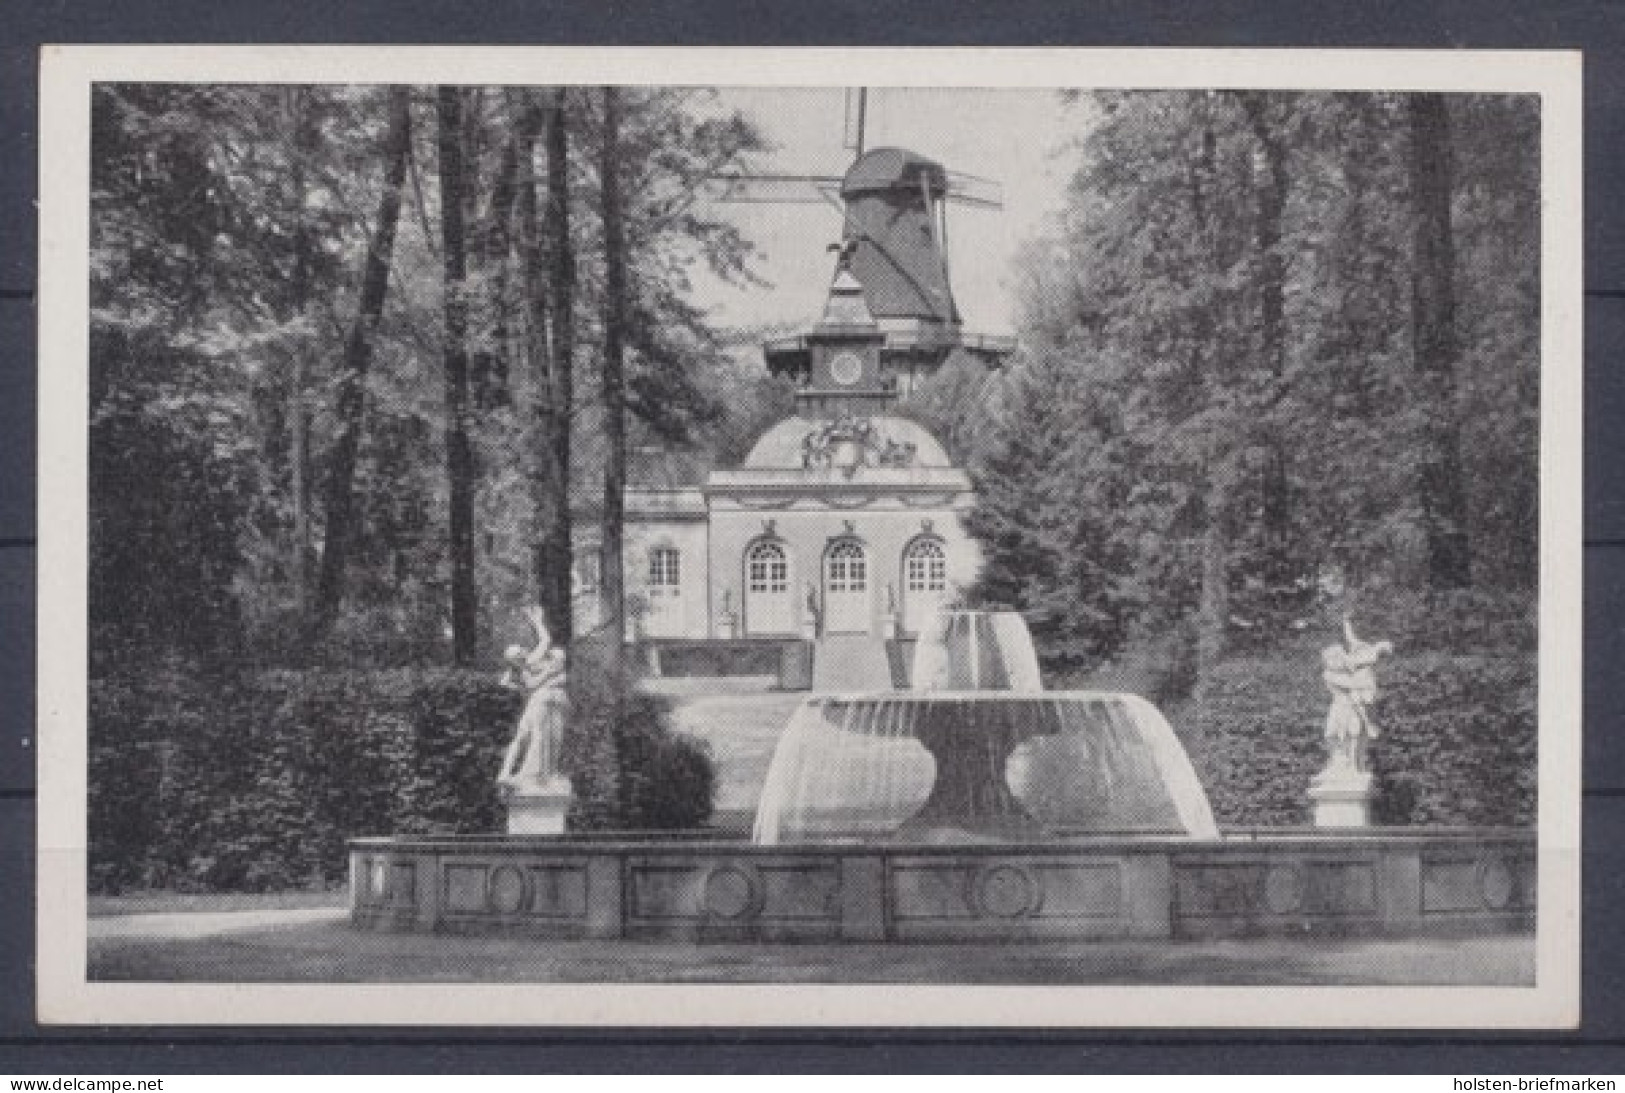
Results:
255 782
1458 743
627 769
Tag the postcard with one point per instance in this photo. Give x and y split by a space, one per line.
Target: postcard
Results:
810 537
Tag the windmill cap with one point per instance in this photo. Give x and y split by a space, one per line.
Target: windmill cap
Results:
892 169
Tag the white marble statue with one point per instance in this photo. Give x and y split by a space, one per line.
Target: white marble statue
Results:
532 759
1349 670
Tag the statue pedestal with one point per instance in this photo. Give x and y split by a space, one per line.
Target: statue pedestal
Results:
539 809
1341 798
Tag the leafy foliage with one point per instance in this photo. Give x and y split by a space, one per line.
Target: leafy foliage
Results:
627 770
255 783
1149 401
230 237
1458 743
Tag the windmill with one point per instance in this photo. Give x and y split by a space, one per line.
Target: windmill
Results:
894 242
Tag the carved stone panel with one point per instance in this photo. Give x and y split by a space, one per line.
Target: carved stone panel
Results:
1493 882
735 890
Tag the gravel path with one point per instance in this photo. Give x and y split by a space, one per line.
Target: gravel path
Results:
319 946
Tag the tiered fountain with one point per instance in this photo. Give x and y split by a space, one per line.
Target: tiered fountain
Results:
974 806
977 750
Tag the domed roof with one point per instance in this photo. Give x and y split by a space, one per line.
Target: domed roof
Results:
785 445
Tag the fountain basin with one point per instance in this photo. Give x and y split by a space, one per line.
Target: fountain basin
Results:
1394 882
958 766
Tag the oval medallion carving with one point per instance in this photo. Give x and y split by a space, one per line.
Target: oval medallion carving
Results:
505 889
1008 891
730 892
1495 884
1283 889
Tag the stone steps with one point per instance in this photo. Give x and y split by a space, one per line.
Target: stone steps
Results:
844 663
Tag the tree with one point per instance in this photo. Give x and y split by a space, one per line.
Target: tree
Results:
340 381
304 138
1269 129
1223 284
558 543
1437 345
350 399
174 450
613 379
459 454
1046 552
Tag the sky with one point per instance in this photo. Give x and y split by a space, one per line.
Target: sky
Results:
1010 137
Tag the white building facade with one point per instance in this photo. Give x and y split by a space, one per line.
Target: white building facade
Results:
780 549
846 522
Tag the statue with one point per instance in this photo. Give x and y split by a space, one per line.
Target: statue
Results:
1340 795
532 759
818 446
897 454
1349 670
729 618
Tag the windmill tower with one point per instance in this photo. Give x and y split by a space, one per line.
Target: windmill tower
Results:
894 250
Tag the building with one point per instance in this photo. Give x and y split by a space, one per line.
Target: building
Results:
844 526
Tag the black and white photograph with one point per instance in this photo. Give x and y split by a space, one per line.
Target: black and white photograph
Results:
816 537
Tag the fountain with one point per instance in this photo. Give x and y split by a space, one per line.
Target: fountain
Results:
974 806
977 750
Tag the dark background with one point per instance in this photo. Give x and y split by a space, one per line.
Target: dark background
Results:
1596 26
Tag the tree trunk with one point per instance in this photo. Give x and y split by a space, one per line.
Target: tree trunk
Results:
491 375
1437 347
1276 499
305 135
459 453
547 420
557 561
614 383
1213 606
339 499
1213 612
537 417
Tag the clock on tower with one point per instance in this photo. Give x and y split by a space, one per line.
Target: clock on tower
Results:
844 355
846 368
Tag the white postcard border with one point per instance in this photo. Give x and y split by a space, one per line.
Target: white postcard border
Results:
65 995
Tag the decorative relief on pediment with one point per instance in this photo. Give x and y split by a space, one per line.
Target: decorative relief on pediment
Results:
849 442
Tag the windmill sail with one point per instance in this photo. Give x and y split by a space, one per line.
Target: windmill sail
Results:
857 112
893 205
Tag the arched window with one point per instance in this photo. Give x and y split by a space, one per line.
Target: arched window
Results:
665 567
925 581
925 567
769 607
767 569
847 602
848 568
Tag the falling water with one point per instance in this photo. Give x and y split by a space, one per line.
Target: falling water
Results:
993 765
975 651
978 750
